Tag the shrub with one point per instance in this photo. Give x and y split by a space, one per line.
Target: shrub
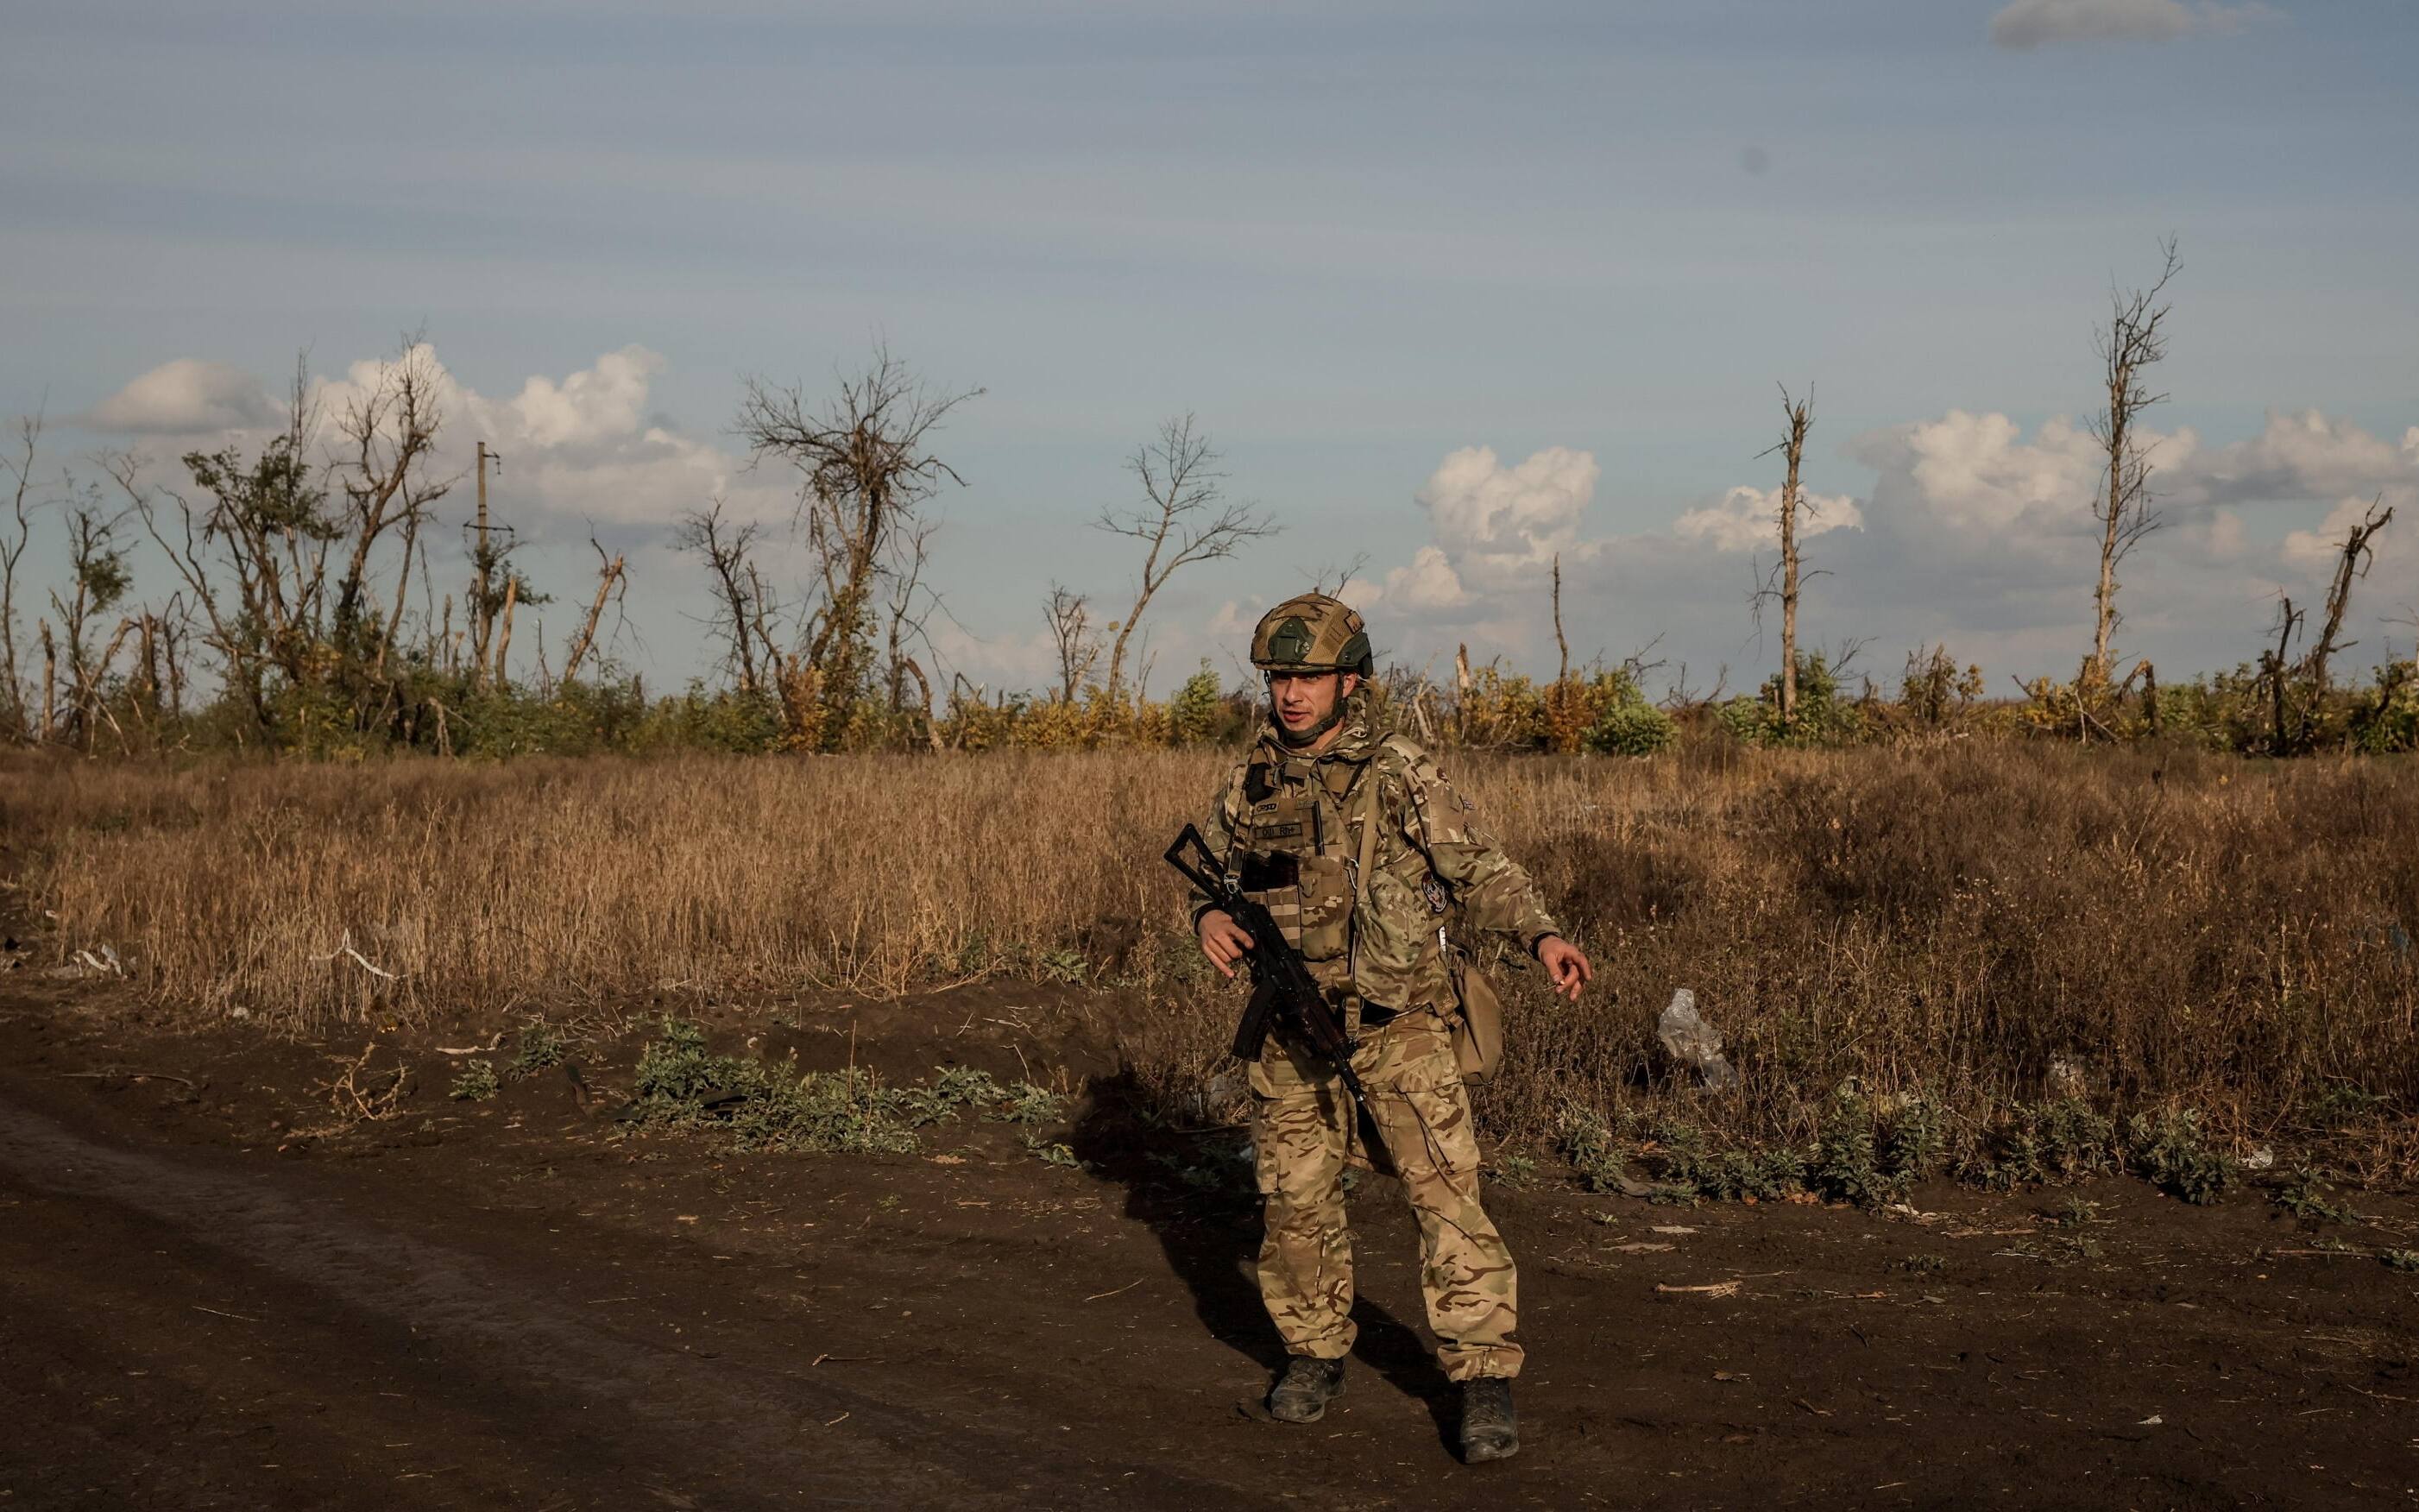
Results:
541 1045
1588 1145
1632 730
2170 1150
476 1083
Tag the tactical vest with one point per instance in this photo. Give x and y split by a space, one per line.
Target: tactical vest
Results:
1295 854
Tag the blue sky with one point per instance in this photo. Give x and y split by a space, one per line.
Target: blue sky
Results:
1356 241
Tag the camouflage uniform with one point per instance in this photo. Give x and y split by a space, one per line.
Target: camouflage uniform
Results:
1295 829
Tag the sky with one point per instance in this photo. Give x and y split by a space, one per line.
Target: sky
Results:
1454 290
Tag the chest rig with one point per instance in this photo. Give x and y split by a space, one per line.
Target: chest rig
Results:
1298 855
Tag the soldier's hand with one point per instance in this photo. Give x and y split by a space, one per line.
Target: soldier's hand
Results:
1566 963
1223 940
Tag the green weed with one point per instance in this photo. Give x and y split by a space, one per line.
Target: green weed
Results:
2040 1144
1024 1103
2305 1194
2169 1151
476 1083
541 1045
1846 1167
1514 1169
2076 1212
767 1106
1914 1139
1587 1143
2341 1104
1052 1153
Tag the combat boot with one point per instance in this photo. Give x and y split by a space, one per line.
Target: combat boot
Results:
1490 1430
1303 1393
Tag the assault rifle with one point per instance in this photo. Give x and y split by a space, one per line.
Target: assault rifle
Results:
1284 994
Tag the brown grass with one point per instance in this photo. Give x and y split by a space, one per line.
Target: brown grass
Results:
2234 935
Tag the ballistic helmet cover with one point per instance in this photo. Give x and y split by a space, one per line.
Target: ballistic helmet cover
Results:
1311 633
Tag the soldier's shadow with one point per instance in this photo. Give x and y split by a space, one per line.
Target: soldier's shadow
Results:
1191 1191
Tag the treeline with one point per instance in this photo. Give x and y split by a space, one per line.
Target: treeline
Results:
302 615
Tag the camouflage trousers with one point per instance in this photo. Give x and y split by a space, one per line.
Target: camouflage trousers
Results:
1302 1135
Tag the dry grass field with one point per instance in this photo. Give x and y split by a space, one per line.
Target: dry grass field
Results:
1936 925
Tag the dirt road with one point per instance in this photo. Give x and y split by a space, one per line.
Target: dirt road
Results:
515 1306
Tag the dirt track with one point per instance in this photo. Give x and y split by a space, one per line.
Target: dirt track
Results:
506 1306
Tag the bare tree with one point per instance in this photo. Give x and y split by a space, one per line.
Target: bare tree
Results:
1797 418
612 586
912 603
864 472
2351 563
729 550
2133 341
98 580
1071 634
1562 643
393 432
20 531
1332 578
2276 672
1183 520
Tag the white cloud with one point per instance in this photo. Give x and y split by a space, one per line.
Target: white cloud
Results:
1975 476
1748 520
1430 584
2316 550
2028 23
1233 620
597 404
580 447
1494 522
187 397
2296 457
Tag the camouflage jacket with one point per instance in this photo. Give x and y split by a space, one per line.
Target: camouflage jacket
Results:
1291 827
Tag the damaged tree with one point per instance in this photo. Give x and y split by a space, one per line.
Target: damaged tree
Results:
1069 616
865 472
1798 417
283 574
19 528
99 580
2133 341
612 587
2297 691
729 550
2351 563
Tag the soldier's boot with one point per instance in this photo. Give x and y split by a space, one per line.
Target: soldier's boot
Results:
1303 1393
1490 1430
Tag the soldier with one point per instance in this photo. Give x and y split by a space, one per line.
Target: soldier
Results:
1363 852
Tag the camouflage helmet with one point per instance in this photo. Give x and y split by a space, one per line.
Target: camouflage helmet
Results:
1311 633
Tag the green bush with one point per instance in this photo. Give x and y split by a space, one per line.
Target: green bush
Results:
1632 730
